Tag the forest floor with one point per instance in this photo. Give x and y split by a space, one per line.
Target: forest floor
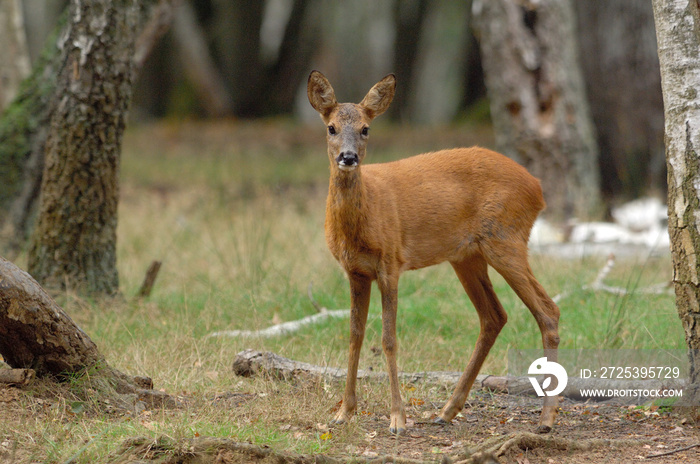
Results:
498 424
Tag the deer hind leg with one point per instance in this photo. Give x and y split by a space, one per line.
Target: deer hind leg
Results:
511 262
473 274
360 288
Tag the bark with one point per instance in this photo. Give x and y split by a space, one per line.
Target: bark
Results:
440 78
14 62
74 242
36 334
621 67
153 30
537 98
678 36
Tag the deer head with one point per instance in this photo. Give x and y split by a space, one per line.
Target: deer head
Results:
348 123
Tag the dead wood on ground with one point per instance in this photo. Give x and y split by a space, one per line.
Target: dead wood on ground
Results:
251 363
36 334
17 377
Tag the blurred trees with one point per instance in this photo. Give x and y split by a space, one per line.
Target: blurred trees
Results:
431 47
538 102
13 40
250 58
621 70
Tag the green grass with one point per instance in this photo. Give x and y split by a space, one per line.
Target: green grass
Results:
235 212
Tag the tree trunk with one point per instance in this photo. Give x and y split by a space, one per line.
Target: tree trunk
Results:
24 128
35 333
409 17
14 62
74 243
537 98
260 86
620 63
198 63
678 39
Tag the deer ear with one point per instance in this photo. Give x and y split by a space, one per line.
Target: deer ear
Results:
379 97
321 94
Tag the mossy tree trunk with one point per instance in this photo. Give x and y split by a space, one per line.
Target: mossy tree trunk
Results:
22 137
678 37
537 98
74 242
24 125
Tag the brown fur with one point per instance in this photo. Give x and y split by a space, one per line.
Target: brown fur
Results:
468 206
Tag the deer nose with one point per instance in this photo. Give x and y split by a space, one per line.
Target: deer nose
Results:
347 159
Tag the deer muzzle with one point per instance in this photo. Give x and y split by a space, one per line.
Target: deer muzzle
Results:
347 160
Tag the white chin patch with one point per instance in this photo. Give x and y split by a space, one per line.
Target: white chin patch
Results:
347 167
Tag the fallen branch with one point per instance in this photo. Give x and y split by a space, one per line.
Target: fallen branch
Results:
283 328
17 377
598 286
685 448
286 328
250 363
208 449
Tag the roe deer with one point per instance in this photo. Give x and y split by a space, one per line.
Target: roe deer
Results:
470 206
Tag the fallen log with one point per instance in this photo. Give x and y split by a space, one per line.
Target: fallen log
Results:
250 362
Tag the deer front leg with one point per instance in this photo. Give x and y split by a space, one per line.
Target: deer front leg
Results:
389 289
360 288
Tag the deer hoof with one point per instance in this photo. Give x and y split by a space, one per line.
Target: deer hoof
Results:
399 431
543 429
440 421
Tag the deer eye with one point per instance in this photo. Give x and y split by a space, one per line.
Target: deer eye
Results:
331 130
365 131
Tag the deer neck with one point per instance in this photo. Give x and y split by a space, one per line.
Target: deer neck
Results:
346 203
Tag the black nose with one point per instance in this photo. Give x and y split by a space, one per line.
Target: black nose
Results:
347 158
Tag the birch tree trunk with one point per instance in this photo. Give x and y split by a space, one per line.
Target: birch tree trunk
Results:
74 243
678 37
538 103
